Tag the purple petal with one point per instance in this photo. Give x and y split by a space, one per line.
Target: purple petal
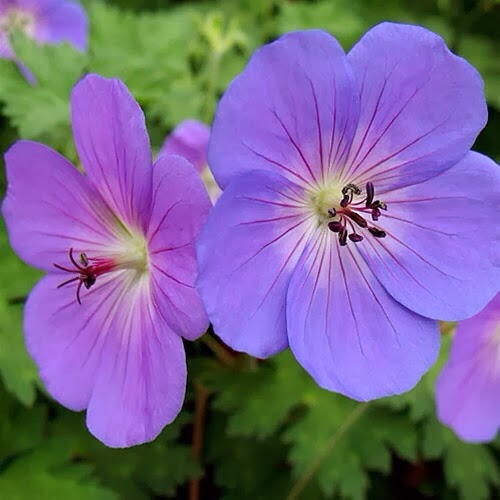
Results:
468 387
348 332
421 107
50 207
113 354
61 22
189 140
113 146
179 209
246 253
441 256
292 111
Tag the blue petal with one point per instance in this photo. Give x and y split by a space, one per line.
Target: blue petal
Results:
348 332
247 252
441 256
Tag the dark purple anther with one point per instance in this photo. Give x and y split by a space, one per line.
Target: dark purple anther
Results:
355 237
358 219
370 193
343 237
375 214
335 226
378 233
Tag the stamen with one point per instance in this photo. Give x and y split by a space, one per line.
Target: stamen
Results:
335 226
370 193
87 271
358 219
378 233
355 214
355 237
343 237
375 214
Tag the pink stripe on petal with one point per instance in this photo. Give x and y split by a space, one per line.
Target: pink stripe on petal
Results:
141 378
113 146
421 107
348 332
247 252
50 207
293 111
179 209
441 254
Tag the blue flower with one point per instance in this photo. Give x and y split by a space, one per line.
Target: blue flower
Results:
353 214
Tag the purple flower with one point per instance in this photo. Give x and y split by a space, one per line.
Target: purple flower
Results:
353 214
468 387
46 21
190 140
105 325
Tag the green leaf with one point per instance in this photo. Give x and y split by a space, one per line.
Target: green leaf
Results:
20 430
135 473
50 475
469 468
41 111
16 368
340 454
259 399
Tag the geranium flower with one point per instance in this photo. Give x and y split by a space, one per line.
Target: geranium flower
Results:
468 387
190 140
105 325
353 214
46 21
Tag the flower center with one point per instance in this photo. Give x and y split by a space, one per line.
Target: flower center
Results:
88 269
352 212
17 19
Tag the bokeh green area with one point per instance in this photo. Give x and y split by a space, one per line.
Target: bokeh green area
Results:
249 429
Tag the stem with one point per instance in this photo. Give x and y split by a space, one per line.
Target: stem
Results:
211 87
200 409
221 353
302 482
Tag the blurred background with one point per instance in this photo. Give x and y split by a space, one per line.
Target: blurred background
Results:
249 429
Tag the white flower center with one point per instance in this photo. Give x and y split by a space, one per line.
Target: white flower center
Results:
18 19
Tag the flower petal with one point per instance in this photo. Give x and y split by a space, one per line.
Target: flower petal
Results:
113 146
246 253
348 332
189 140
468 386
50 207
421 107
112 354
179 209
292 110
62 22
141 380
441 256
63 337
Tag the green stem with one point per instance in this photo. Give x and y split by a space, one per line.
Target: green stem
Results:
219 350
302 482
211 87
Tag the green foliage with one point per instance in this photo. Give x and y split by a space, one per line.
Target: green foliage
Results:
40 111
16 368
268 429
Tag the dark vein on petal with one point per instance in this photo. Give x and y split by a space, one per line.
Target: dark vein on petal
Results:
278 164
